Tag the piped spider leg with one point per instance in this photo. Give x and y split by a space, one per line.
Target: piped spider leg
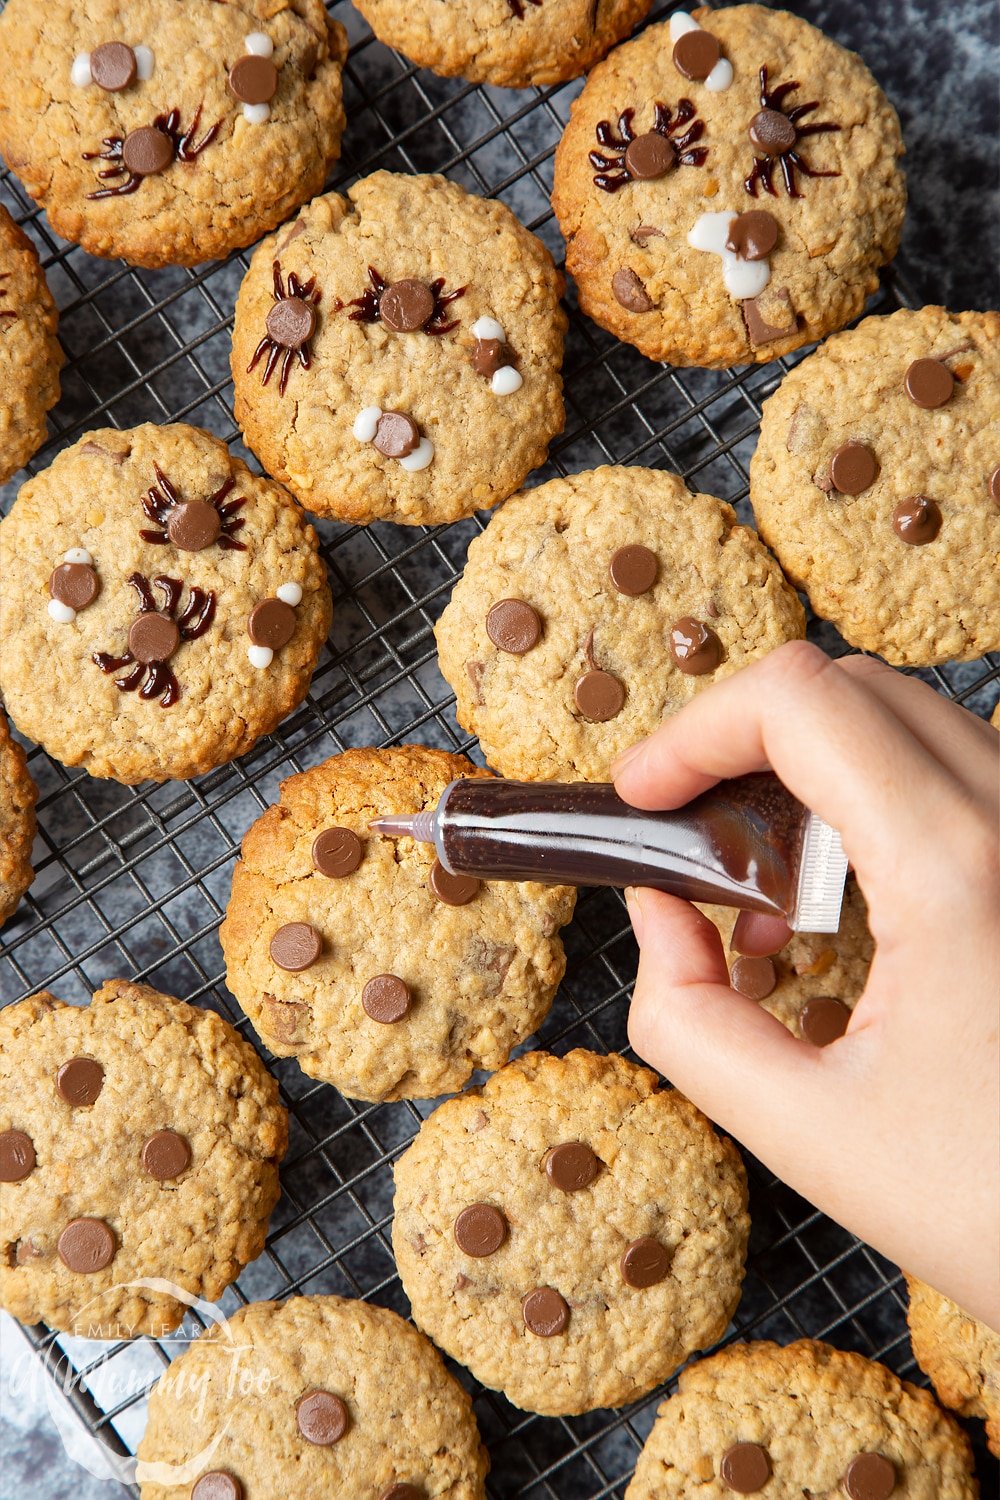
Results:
186 149
199 612
161 683
806 169
690 136
131 681
286 369
109 663
147 604
171 590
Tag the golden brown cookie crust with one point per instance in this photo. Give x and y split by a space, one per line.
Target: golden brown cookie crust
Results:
481 976
167 1065
485 444
249 177
664 1173
960 1356
30 353
18 795
832 239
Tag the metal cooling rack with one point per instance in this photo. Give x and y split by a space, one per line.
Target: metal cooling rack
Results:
133 881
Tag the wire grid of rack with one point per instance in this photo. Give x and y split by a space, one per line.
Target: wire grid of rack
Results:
133 881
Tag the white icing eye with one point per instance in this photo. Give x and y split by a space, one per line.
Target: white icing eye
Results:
720 77
145 62
260 656
256 114
80 73
506 381
680 23
61 612
290 593
487 328
78 555
742 278
420 457
259 44
366 424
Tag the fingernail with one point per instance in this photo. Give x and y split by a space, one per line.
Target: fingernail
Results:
627 756
634 911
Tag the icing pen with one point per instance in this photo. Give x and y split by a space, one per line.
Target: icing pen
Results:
746 842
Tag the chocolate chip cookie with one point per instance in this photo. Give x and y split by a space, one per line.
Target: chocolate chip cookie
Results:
170 134
334 1398
728 187
397 352
801 1420
876 481
596 605
570 1232
30 355
18 795
960 1356
362 957
139 1147
163 607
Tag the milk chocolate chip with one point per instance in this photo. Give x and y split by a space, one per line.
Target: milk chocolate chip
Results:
396 434
763 329
74 584
386 999
113 66
694 646
153 638
649 156
853 468
217 1485
405 306
194 525
753 235
571 1166
753 977
916 520
995 485
645 1262
336 852
929 383
633 570
771 132
86 1245
17 1156
271 623
544 1312
253 79
745 1468
291 322
322 1417
402 1492
696 54
599 696
147 151
453 890
869 1476
166 1155
490 355
80 1080
480 1230
513 626
823 1020
630 291
296 946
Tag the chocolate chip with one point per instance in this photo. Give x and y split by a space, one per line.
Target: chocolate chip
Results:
153 638
544 1312
630 292
995 485
194 525
74 584
386 999
253 79
916 520
571 1166
644 1263
753 977
513 626
753 235
405 306
296 946
823 1020
745 1468
649 156
694 646
113 66
480 1230
396 434
166 1155
853 468
599 696
489 355
696 54
322 1417
869 1476
402 1492
80 1080
147 151
771 132
17 1156
645 232
633 570
271 623
929 383
453 890
217 1485
86 1245
763 329
336 852
291 322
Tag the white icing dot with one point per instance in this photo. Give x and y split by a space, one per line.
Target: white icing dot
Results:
80 73
366 423
506 381
420 457
720 77
61 612
259 44
78 555
743 278
681 22
260 656
144 62
256 114
290 593
487 328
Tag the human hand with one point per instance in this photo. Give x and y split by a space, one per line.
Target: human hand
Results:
894 1129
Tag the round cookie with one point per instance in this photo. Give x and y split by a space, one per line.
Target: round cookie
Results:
728 187
596 605
570 1232
170 134
335 1398
876 481
959 1355
360 957
509 43
163 607
18 795
805 1419
396 352
139 1147
30 354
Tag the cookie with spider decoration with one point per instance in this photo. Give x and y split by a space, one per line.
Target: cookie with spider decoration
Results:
397 352
163 606
728 187
30 354
170 134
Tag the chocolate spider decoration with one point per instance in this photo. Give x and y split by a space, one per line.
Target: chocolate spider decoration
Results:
8 313
192 525
155 635
290 324
652 154
148 150
517 7
776 131
405 306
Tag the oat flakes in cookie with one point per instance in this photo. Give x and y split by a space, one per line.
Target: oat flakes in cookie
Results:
361 957
596 605
805 1419
397 352
960 1355
337 1398
139 1138
728 186
18 795
570 1232
30 355
163 607
170 134
875 481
